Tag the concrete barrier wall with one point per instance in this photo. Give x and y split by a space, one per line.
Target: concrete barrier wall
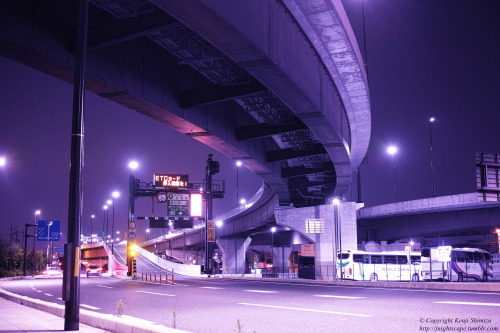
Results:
192 270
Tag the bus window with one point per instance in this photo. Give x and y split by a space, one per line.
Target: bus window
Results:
415 260
389 259
478 257
426 252
376 259
487 256
469 256
458 256
344 256
402 260
358 258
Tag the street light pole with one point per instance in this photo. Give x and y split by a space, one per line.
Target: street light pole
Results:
91 220
431 120
393 150
48 242
273 230
38 212
115 194
238 164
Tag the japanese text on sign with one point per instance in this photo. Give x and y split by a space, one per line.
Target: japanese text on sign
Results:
171 180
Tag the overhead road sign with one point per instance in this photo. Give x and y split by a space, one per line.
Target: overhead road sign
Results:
178 204
169 180
46 226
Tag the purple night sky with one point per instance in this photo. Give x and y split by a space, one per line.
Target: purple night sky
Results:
425 58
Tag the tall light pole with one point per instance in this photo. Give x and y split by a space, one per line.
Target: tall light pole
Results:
37 212
431 120
91 220
335 240
109 203
48 243
238 164
132 165
273 230
105 210
392 150
115 194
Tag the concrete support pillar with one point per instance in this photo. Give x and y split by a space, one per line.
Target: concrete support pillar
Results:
233 254
323 241
281 257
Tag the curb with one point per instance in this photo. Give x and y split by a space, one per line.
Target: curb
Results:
450 286
111 323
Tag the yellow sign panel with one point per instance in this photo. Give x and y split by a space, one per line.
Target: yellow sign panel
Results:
211 225
211 238
211 231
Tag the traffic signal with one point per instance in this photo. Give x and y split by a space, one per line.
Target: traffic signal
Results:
132 251
213 166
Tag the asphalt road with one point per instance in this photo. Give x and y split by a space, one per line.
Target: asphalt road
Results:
217 305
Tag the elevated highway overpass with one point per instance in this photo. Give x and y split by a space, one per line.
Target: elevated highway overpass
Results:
279 85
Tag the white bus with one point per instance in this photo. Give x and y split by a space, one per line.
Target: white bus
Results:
384 266
456 264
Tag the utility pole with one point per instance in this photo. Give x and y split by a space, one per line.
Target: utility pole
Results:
211 169
26 245
71 280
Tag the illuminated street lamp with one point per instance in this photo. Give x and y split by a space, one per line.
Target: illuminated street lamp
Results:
91 220
147 233
238 164
115 194
37 212
273 230
132 165
243 202
337 240
104 225
431 120
3 162
392 150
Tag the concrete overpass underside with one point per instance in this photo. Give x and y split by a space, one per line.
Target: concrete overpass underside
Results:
279 85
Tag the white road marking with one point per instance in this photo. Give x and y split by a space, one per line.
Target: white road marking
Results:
104 286
261 291
334 296
90 307
211 288
38 291
47 294
308 310
149 292
59 298
469 303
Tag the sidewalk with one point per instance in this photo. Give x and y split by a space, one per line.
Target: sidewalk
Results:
15 317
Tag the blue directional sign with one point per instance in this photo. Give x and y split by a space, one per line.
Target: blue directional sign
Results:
59 249
46 226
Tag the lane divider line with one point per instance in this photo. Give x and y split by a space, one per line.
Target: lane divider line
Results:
149 292
104 286
308 310
262 291
47 294
89 307
469 303
211 288
334 296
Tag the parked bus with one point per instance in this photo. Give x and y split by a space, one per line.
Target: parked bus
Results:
456 264
374 266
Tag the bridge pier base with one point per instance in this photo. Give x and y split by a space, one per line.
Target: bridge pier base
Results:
233 254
